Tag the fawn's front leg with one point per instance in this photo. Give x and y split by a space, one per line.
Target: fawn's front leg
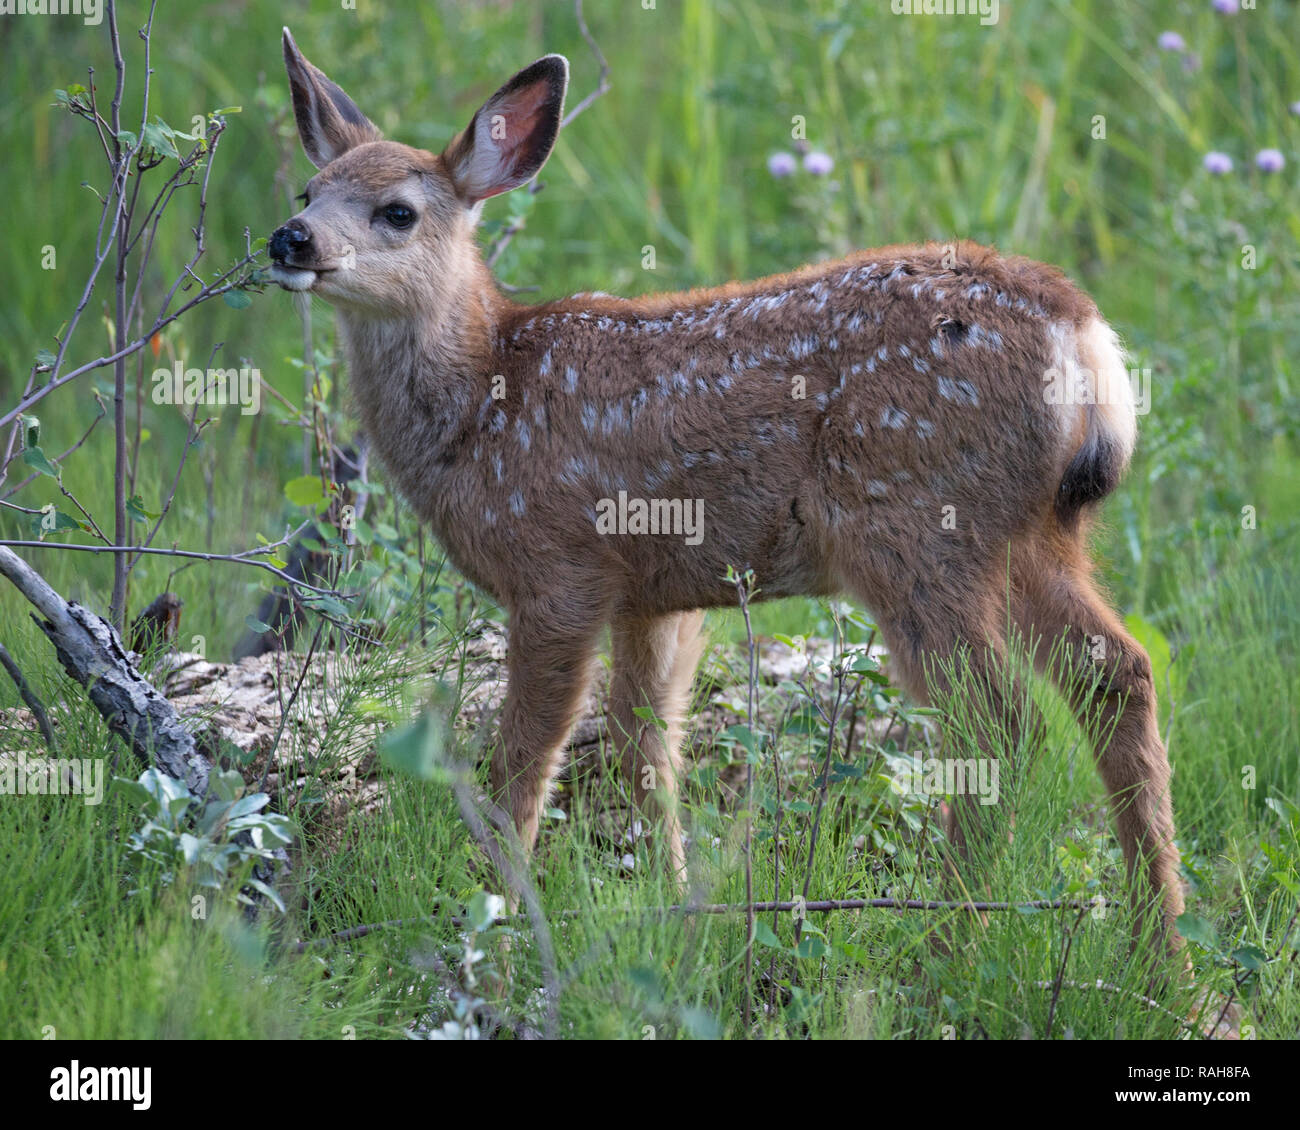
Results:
654 661
550 665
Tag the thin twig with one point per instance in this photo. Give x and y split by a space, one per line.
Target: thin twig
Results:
29 696
233 558
724 908
744 590
1060 972
823 793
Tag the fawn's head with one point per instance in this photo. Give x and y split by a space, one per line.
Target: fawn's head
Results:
387 227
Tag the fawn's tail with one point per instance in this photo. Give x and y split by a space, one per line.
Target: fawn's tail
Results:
1096 467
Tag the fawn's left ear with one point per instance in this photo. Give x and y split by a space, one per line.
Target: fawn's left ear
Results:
329 122
508 140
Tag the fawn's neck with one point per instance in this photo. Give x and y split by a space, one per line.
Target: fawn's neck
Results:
418 377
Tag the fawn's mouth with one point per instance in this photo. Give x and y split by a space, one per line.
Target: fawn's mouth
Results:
293 278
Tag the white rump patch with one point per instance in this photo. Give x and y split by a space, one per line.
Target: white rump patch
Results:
1088 366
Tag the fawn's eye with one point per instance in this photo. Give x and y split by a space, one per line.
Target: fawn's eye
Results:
399 215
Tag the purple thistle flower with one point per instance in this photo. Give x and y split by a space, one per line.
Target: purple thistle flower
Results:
1217 163
1171 41
1227 7
781 164
1270 160
818 163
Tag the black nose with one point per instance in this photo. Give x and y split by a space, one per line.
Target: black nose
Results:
293 239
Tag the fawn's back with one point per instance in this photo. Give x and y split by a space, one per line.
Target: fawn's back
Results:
891 405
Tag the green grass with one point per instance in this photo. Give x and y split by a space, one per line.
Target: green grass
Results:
939 128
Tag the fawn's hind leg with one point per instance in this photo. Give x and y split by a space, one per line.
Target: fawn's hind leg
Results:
551 663
1106 677
935 655
654 662
945 634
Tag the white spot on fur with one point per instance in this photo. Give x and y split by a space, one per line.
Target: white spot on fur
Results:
959 392
517 506
978 335
893 417
802 346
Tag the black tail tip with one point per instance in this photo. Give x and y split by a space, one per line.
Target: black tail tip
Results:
1091 475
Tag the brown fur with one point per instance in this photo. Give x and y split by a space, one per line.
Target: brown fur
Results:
828 418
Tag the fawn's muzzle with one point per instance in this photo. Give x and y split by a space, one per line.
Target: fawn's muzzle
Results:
291 240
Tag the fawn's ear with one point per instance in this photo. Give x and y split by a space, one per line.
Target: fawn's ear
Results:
508 140
329 122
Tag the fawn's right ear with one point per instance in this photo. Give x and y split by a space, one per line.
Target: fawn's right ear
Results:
508 140
329 122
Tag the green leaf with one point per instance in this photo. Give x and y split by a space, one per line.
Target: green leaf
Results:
135 510
1250 957
415 749
1196 929
267 893
247 805
483 910
1156 645
744 736
45 357
647 714
35 458
127 138
329 605
700 1024
237 299
256 625
811 947
306 490
765 935
225 110
158 137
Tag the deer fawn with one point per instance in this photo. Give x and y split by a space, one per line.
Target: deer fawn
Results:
926 428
